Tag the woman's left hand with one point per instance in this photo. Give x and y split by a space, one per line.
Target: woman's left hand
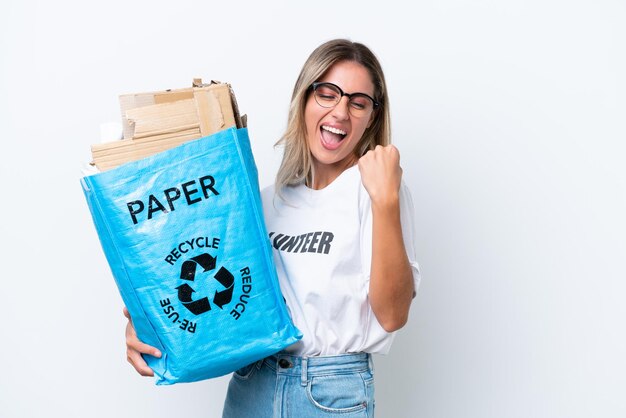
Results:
391 279
381 174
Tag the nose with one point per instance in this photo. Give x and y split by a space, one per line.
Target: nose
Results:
341 111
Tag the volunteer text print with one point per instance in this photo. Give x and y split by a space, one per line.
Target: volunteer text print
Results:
192 190
311 242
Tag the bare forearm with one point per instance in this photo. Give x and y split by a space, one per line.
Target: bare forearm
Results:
391 281
391 278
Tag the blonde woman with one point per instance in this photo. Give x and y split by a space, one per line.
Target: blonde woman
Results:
340 221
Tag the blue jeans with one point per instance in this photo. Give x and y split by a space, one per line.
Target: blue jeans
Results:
286 386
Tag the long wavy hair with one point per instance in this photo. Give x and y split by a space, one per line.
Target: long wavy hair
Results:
296 166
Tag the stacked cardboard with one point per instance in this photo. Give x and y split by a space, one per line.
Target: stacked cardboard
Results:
157 121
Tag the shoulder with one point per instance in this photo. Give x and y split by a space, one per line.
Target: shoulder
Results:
406 198
405 191
268 191
268 195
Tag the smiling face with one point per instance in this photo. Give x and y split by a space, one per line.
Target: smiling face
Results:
333 133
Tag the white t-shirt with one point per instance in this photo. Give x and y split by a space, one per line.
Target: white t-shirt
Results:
322 246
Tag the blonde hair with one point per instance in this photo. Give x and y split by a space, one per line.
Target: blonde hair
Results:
296 167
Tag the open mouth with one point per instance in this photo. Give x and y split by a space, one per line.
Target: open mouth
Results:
331 137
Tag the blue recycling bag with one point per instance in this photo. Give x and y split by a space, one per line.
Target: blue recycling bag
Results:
184 235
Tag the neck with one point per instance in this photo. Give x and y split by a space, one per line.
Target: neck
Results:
324 174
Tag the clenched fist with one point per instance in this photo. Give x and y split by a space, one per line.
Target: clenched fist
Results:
381 174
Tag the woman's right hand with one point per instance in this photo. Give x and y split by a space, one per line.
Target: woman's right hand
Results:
135 348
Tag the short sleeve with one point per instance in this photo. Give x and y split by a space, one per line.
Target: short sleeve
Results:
407 220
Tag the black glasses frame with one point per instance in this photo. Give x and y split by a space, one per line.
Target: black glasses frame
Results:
315 85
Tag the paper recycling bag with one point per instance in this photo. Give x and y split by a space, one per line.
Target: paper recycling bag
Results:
184 235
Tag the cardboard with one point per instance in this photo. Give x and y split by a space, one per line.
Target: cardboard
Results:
157 121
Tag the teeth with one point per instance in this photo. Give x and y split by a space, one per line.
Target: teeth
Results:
333 130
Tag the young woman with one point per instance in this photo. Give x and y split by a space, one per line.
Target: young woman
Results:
340 221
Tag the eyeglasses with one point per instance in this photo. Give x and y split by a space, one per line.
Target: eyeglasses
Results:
329 95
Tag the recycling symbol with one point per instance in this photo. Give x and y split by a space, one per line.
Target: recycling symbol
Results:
188 272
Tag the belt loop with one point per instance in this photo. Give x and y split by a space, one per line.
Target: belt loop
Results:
304 378
370 360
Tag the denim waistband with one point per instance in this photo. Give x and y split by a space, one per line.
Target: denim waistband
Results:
307 367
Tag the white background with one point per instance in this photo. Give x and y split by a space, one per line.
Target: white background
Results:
510 119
